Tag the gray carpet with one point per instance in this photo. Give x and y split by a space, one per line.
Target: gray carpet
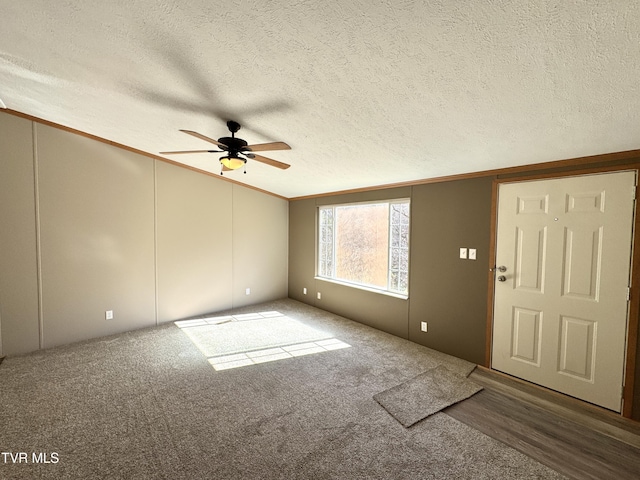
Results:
426 394
148 405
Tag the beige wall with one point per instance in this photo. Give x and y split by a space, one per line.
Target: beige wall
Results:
18 260
260 249
194 234
89 227
96 236
215 234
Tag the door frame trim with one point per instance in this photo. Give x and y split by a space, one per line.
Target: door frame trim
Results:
634 302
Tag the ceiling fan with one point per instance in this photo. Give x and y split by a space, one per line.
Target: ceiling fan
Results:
237 150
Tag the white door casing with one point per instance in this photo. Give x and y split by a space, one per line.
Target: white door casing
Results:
560 308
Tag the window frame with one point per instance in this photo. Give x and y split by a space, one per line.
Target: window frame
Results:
319 244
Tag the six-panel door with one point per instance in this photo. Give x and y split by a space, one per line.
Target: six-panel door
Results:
560 312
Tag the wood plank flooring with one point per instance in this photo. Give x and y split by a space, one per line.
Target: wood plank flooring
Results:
579 441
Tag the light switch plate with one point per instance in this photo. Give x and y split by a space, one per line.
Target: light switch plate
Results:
463 253
472 254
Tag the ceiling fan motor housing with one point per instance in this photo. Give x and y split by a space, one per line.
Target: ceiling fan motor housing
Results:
233 126
234 144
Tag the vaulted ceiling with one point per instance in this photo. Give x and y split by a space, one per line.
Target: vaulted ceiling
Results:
366 93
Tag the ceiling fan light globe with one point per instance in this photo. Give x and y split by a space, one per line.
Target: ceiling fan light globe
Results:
232 163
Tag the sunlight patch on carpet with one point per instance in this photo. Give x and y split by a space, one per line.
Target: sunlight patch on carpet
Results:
234 341
272 354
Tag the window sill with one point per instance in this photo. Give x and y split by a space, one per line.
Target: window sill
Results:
366 289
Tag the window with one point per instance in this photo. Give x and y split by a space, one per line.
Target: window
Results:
365 244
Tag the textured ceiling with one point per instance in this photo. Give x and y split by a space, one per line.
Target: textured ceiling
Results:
366 92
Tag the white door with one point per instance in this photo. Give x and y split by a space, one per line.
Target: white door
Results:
560 311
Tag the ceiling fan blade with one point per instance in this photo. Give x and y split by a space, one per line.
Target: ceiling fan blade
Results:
205 138
190 151
263 147
269 161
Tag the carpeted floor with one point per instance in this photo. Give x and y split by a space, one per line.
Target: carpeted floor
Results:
149 404
426 394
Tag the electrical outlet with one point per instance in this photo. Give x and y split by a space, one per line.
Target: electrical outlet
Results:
247 291
319 295
108 315
472 254
463 253
423 326
304 291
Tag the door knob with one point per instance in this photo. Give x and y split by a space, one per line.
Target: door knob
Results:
502 268
502 278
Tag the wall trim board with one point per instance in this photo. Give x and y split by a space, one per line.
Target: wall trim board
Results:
632 164
411 240
625 156
554 164
155 242
491 272
633 321
36 195
135 150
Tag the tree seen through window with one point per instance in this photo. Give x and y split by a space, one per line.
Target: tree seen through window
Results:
366 244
